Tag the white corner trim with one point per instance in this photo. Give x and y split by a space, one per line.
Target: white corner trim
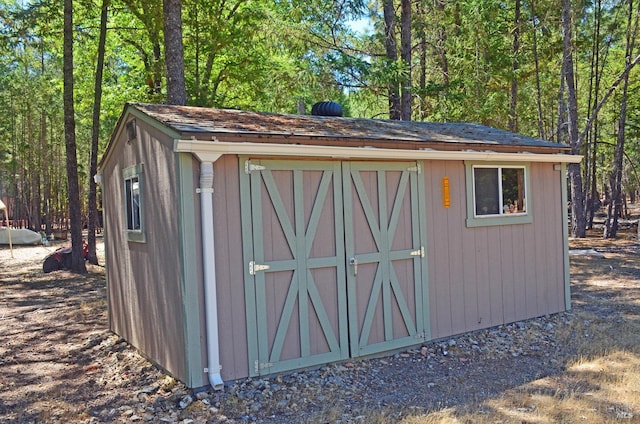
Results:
210 151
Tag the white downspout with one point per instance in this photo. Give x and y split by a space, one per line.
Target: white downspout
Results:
209 265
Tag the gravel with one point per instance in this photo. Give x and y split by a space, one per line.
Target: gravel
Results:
453 372
59 363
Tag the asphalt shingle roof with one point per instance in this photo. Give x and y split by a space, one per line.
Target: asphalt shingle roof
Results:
197 121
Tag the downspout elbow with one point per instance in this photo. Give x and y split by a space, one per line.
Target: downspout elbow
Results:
216 380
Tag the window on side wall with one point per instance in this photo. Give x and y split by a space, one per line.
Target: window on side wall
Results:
497 194
133 190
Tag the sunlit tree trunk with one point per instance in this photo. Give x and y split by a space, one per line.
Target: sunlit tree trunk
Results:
75 215
442 45
405 55
422 42
536 59
173 50
46 175
92 221
391 48
611 225
578 227
513 112
593 201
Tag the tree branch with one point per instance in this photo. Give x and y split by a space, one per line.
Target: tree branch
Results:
613 87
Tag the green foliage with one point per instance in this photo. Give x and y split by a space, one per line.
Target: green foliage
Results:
275 56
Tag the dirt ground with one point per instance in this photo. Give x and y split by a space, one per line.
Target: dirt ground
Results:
59 362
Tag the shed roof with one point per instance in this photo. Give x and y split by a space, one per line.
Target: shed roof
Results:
198 122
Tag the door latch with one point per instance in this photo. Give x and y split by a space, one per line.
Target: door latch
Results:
354 263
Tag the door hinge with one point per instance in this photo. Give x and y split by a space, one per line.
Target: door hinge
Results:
254 267
419 252
249 167
416 168
257 365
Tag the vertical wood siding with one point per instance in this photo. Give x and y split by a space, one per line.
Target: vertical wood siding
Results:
144 281
229 269
195 278
477 277
485 276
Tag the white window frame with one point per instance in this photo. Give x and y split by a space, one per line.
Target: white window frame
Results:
501 218
129 175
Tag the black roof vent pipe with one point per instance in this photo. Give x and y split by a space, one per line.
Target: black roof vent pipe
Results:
326 109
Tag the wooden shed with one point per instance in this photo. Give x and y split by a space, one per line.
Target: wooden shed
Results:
245 244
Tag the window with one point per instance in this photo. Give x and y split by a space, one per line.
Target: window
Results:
132 188
133 203
497 194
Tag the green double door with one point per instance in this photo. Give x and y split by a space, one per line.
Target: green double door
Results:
335 260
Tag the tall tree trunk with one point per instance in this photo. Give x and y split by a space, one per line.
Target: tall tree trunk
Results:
92 222
513 112
611 225
441 49
174 54
578 221
613 212
536 59
196 47
561 128
442 45
422 37
405 54
593 202
75 215
391 48
33 178
46 174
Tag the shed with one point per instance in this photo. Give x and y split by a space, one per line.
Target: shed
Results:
245 244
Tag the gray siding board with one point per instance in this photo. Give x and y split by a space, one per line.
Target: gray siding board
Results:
482 277
485 276
520 289
549 253
147 271
548 241
507 275
455 215
495 275
470 280
198 282
229 269
554 217
541 250
531 280
440 313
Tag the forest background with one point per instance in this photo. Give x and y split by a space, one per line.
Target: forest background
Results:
559 70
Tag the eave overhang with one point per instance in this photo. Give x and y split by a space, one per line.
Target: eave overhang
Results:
210 151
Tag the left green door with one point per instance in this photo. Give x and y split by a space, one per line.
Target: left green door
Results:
295 283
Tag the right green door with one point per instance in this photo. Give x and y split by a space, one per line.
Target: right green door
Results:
386 259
